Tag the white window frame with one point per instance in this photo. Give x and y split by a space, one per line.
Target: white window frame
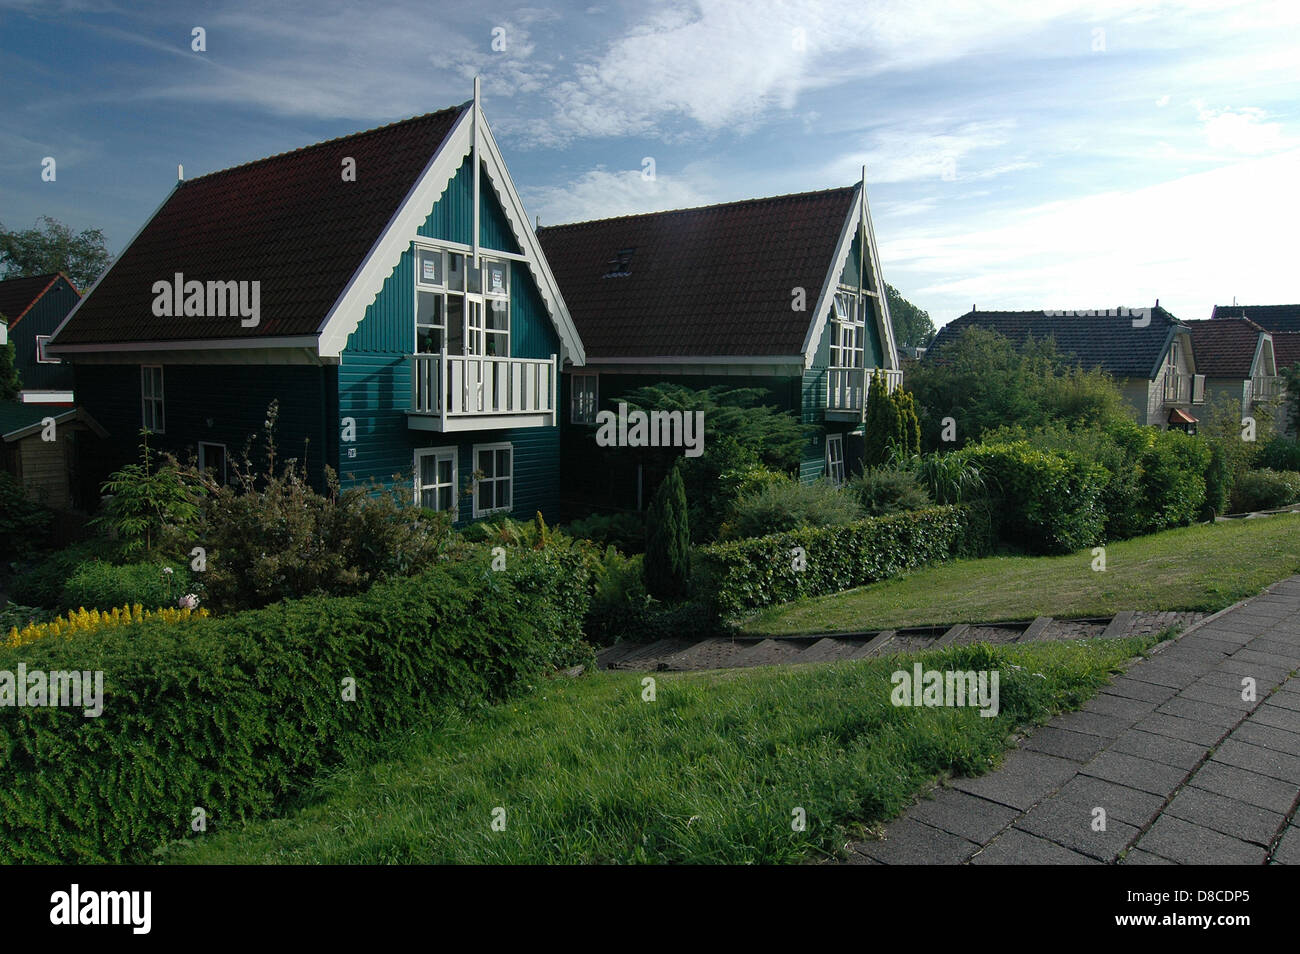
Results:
436 453
590 416
509 480
41 356
160 399
225 458
444 290
848 329
835 462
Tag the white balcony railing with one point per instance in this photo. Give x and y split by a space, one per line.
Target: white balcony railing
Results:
1264 388
1184 388
846 388
464 387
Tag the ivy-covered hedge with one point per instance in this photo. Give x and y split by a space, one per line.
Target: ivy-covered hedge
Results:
747 574
1046 501
233 715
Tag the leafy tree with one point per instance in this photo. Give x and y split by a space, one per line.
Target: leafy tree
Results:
912 326
10 384
149 499
52 246
668 541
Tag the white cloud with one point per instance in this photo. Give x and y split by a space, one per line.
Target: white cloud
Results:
603 193
1241 131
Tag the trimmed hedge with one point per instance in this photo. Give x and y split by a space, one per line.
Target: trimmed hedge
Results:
747 574
236 714
1265 489
1047 502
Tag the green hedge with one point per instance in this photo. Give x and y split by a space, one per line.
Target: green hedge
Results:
96 584
1047 502
1265 489
236 714
747 574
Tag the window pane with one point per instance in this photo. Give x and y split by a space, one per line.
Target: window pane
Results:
503 463
429 267
484 464
456 272
429 498
444 470
496 278
475 276
444 498
428 470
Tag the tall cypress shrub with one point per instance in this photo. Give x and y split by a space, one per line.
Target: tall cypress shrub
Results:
667 567
881 424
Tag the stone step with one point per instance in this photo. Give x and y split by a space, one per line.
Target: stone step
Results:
708 654
1119 625
769 652
608 657
875 645
1035 629
650 654
949 637
827 649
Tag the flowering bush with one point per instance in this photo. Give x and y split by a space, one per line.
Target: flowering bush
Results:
86 621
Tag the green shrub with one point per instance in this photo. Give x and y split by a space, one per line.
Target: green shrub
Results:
24 524
1218 483
623 530
1173 481
41 582
750 573
150 502
103 586
789 505
1265 489
237 714
884 490
1281 453
619 600
1045 502
667 566
949 478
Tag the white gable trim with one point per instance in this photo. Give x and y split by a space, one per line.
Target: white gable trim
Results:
858 218
368 280
1255 370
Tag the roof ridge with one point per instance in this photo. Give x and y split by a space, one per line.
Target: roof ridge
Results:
325 142
701 208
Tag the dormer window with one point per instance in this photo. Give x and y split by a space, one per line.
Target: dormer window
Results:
620 265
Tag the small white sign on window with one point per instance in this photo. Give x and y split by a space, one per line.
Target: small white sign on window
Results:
429 275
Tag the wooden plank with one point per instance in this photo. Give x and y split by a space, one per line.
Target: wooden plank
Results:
1119 625
1035 629
947 638
874 646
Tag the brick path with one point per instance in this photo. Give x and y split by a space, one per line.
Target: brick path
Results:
1185 770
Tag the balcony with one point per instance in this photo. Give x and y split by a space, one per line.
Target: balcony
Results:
1264 388
474 392
1184 388
846 391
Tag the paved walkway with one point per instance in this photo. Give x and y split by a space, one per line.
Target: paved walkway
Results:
1185 771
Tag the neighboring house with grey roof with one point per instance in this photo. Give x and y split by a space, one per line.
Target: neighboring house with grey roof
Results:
1149 353
1236 356
1269 317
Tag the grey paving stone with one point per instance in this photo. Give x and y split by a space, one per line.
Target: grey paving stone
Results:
1270 737
1234 625
1094 723
1181 841
1139 857
1160 748
1276 716
1201 712
1228 816
1244 785
1017 847
1209 643
1176 727
1134 772
1242 667
858 858
1128 687
1163 675
1213 634
1250 655
909 842
1265 681
1285 700
1226 696
1122 707
967 816
1287 851
1070 824
1278 647
1121 802
1075 746
1023 779
1258 759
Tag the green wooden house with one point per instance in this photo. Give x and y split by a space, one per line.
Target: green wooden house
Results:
385 288
783 294
32 308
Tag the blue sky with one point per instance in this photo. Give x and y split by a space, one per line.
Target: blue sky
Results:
1019 153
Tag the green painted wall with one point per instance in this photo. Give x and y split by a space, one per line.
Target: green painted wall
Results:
42 319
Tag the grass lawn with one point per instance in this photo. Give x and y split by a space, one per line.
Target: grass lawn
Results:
1203 567
711 771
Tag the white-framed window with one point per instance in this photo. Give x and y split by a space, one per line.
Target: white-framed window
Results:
151 398
43 356
213 457
459 307
835 459
584 396
435 478
848 330
493 478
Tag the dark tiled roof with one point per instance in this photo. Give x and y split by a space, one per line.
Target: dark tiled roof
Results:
700 282
1286 348
1268 317
19 294
289 221
1098 340
1225 348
